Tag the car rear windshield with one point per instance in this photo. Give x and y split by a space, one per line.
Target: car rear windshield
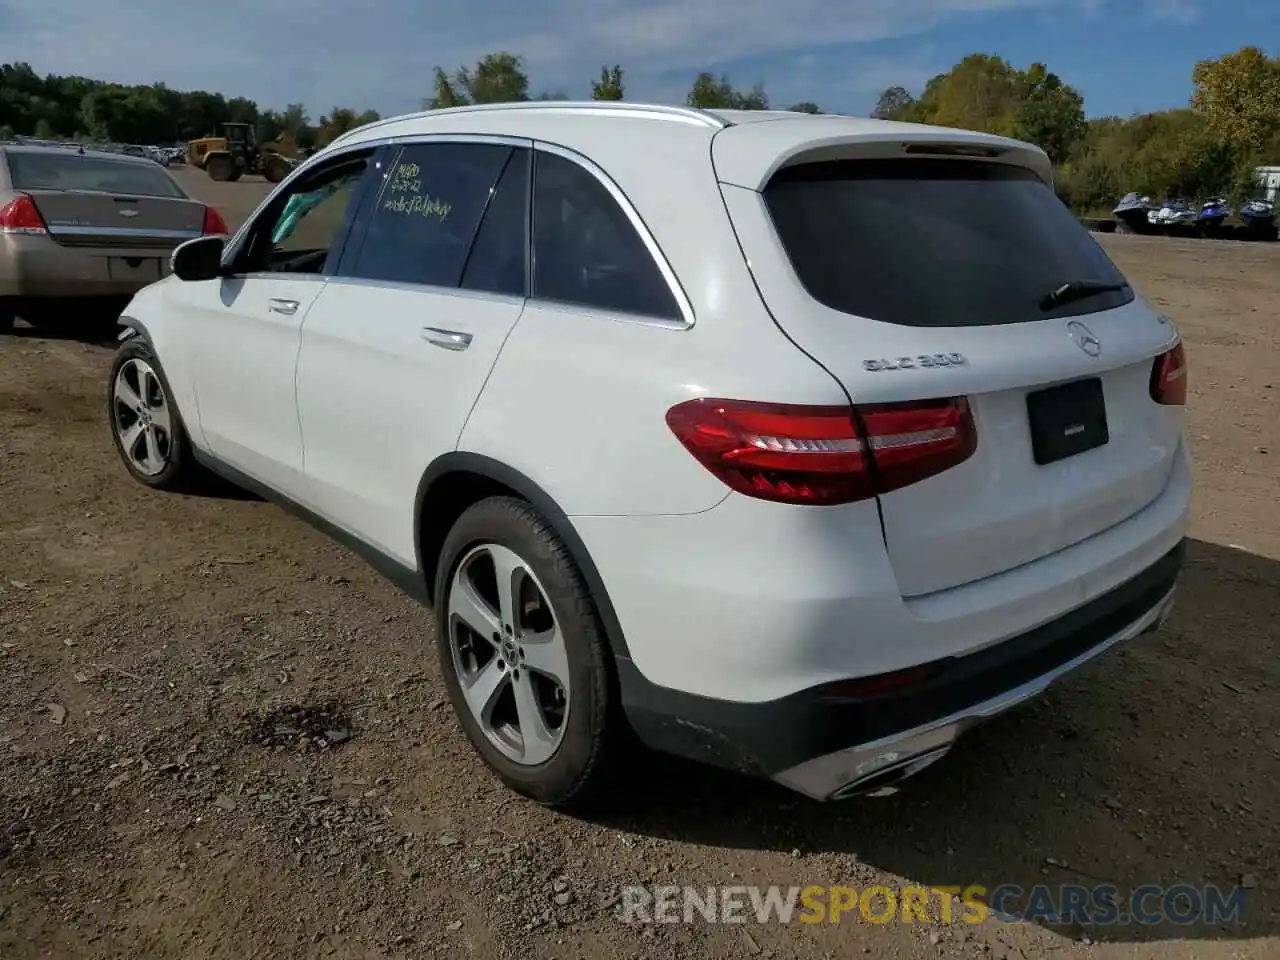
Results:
55 171
937 242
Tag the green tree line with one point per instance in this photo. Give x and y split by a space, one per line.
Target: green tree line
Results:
1212 147
1209 148
78 108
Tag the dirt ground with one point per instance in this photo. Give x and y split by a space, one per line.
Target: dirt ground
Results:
159 799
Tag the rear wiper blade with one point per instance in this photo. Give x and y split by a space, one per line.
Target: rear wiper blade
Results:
1074 290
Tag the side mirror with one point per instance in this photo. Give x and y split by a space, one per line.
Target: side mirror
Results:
198 259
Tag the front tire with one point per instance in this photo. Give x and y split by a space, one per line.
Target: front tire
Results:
7 315
220 168
523 656
145 425
275 169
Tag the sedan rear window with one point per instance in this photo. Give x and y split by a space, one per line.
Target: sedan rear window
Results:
55 171
938 243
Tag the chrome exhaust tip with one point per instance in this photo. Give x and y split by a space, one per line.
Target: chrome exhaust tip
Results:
884 783
1166 610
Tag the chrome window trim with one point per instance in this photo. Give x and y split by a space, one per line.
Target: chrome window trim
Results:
325 158
687 317
55 230
683 304
410 287
294 277
610 316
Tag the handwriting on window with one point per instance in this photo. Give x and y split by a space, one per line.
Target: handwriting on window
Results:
405 196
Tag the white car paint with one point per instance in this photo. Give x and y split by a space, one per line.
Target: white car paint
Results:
240 354
801 599
379 400
344 406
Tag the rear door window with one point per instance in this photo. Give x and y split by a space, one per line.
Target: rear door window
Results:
499 257
937 242
586 251
40 170
422 222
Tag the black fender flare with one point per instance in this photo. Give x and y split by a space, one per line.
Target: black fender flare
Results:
499 472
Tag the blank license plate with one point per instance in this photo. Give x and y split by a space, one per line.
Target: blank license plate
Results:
145 269
1067 420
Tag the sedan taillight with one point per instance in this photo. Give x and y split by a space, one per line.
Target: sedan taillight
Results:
214 225
20 215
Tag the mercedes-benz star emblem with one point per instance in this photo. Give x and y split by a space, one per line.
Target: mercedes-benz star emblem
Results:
1084 338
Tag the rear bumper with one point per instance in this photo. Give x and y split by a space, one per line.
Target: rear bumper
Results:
752 602
868 767
831 741
37 267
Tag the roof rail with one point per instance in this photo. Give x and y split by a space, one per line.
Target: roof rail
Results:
652 110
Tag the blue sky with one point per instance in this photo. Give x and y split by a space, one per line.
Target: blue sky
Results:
1124 55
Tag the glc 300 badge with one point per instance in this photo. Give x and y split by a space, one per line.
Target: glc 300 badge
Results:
910 363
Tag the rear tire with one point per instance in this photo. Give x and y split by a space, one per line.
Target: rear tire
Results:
220 168
550 726
145 424
7 316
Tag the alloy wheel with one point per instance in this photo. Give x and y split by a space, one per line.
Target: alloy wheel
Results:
141 417
508 654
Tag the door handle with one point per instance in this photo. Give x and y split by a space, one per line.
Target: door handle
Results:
287 307
449 339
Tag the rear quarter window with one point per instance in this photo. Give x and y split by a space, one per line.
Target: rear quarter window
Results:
935 242
586 251
54 171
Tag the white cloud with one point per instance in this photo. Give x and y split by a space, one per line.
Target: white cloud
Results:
1173 11
381 53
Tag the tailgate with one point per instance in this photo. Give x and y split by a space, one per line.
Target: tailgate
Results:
911 279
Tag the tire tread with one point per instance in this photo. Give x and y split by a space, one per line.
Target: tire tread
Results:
503 514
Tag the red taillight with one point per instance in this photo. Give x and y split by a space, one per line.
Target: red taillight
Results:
214 225
824 455
20 215
913 441
1169 377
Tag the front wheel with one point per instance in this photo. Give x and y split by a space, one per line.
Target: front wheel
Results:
145 425
220 168
275 169
523 655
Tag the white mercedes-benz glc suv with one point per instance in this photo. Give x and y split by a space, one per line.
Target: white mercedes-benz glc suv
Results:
793 444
